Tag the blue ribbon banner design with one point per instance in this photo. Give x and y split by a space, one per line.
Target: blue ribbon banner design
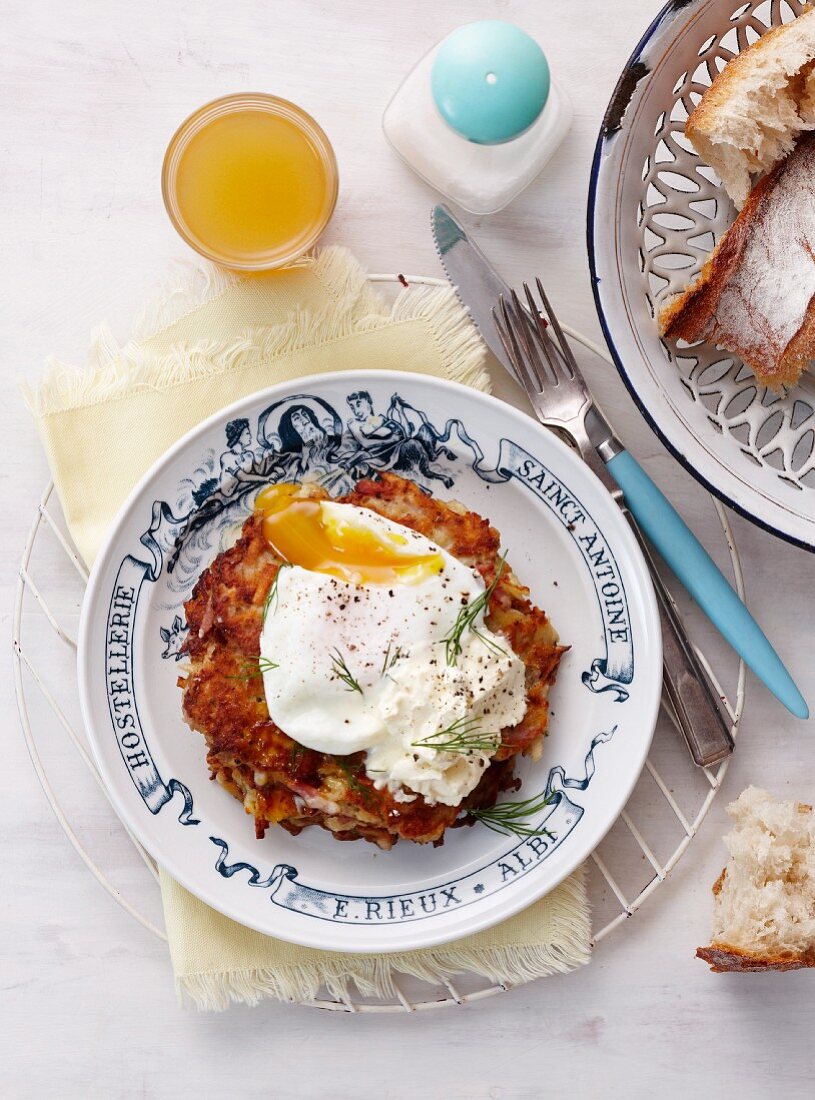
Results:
611 671
121 696
287 892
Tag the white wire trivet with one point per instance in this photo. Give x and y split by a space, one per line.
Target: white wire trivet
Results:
615 895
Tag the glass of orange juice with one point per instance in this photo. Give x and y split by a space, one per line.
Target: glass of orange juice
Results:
250 181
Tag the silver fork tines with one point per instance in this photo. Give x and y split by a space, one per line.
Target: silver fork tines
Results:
546 366
569 361
510 330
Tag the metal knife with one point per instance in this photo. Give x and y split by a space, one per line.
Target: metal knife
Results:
480 288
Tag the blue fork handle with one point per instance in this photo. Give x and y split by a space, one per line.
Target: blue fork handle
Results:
682 551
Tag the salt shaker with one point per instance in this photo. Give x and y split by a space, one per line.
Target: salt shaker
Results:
479 116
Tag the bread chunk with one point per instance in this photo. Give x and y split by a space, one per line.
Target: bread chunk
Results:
755 294
764 908
757 107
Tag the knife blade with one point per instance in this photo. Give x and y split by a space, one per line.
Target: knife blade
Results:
479 287
474 279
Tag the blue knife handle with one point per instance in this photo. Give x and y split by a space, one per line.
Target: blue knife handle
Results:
689 560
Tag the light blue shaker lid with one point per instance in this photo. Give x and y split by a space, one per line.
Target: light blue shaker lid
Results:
490 81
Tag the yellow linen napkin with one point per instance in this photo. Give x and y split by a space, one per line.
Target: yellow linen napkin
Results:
213 338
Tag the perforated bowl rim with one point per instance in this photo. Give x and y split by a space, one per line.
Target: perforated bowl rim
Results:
672 18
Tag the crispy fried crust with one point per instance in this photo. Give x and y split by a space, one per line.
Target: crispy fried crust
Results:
281 782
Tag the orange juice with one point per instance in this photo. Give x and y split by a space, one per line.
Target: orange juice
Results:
250 181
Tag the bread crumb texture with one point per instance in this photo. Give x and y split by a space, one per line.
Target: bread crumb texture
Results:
758 105
764 908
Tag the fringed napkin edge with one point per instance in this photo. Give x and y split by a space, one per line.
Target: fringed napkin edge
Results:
113 371
375 975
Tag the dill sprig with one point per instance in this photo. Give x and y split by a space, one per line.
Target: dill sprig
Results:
390 660
257 665
271 595
342 672
466 617
464 736
353 779
512 818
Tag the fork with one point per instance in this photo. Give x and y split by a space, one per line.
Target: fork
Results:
562 402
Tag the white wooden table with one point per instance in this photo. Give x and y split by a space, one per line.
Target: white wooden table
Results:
92 92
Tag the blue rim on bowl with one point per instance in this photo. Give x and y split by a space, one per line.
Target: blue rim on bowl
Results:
671 21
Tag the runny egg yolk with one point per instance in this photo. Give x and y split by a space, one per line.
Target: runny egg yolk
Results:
322 537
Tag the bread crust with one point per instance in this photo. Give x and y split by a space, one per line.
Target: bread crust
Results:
757 106
726 959
737 72
698 312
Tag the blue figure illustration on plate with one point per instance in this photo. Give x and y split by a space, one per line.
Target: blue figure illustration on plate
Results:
304 439
173 636
396 441
237 464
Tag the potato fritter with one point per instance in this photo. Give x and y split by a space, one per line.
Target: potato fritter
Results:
281 782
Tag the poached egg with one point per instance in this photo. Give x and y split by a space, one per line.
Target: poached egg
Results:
374 639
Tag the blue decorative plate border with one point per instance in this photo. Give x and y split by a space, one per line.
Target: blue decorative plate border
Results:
206 493
302 438
492 877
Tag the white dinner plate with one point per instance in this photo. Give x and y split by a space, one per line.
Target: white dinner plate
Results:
565 538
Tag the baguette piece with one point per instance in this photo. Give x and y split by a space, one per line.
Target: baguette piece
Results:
764 908
755 294
758 105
